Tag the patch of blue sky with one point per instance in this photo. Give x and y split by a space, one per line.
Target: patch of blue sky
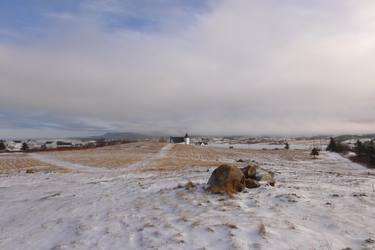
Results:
34 18
15 119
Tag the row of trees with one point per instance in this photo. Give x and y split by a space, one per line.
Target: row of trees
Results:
337 146
365 151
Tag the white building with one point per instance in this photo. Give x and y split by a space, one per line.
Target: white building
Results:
50 144
187 139
14 146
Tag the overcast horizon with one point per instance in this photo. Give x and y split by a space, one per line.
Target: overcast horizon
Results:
211 67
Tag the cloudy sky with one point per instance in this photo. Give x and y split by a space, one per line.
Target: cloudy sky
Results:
203 66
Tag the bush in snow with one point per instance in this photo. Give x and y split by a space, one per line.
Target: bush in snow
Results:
314 152
2 145
25 147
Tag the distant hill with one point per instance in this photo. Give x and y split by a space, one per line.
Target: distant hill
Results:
355 137
118 136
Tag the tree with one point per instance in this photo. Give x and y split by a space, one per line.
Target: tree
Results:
365 152
25 147
286 145
370 152
314 152
359 148
336 146
2 145
332 146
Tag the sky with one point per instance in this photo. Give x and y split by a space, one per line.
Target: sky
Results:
213 67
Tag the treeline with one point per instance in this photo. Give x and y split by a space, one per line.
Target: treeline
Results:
364 151
337 146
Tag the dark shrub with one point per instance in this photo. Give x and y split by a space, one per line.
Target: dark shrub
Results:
314 152
2 145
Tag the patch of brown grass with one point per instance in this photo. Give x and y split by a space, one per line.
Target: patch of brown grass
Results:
262 230
190 156
117 156
14 163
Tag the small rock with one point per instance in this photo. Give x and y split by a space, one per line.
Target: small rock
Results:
267 177
250 171
189 185
370 241
250 183
359 195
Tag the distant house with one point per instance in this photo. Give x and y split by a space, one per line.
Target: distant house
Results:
173 139
14 146
187 139
50 144
34 145
63 144
58 144
181 140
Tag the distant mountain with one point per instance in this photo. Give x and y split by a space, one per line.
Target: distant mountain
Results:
118 136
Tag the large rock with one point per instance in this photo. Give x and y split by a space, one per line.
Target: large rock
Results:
226 179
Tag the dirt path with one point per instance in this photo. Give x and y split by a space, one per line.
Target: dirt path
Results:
161 154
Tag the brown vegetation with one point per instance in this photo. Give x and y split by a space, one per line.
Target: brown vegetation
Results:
262 230
116 156
201 158
13 163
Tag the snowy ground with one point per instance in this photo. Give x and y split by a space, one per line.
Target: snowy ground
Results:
326 203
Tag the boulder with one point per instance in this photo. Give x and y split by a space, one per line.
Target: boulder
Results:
226 179
249 171
251 183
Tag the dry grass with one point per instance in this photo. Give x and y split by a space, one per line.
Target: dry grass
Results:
13 163
262 230
179 157
189 156
116 156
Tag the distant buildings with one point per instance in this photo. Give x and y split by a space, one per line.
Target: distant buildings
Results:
187 139
180 140
37 145
13 146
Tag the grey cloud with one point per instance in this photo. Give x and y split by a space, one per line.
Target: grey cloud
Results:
245 67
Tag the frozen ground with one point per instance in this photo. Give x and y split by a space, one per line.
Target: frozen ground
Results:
326 203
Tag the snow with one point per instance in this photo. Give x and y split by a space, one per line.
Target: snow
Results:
326 203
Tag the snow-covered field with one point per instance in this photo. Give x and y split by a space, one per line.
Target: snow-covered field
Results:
326 203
